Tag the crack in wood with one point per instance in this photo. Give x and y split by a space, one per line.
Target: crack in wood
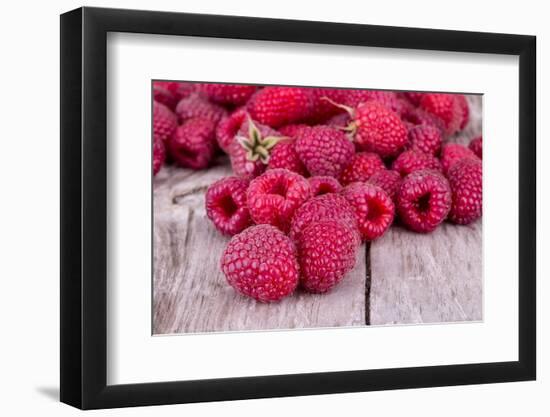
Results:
178 199
367 283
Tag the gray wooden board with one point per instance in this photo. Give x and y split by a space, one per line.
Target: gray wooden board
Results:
430 278
413 278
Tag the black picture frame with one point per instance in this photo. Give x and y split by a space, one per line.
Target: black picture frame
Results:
84 207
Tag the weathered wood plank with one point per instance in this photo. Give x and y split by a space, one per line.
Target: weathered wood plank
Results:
429 278
190 292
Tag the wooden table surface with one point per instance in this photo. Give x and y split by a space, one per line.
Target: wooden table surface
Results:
403 277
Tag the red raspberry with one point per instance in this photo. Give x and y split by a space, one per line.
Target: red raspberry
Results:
323 109
446 107
249 152
193 144
179 89
476 146
278 106
323 207
284 155
354 98
401 106
418 117
392 101
324 185
164 121
159 154
197 105
292 129
261 263
326 252
374 209
324 150
228 127
453 152
226 206
425 138
413 96
232 94
378 129
274 196
361 167
388 180
465 108
424 200
413 160
466 180
164 96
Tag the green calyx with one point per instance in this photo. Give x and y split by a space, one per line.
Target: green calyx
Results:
256 146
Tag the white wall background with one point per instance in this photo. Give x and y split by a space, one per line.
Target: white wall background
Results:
29 226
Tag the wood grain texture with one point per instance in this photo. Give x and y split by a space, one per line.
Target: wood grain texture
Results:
404 278
191 293
431 278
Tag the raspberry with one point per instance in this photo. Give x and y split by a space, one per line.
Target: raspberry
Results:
446 107
274 196
197 105
361 167
326 252
453 152
323 207
249 152
424 200
178 89
324 150
284 155
193 143
378 129
278 106
425 138
465 178
413 160
159 154
389 99
261 263
164 121
354 98
293 129
226 206
374 209
228 127
476 146
413 96
388 180
232 94
323 109
465 108
419 117
164 96
324 185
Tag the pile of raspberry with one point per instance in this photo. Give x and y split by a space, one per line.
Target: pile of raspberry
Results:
316 172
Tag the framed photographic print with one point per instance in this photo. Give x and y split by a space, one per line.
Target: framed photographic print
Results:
256 208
